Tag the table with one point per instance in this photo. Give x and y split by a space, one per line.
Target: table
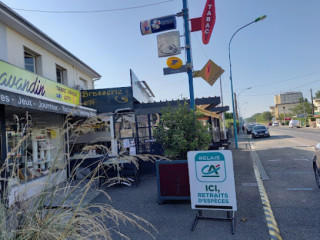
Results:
120 163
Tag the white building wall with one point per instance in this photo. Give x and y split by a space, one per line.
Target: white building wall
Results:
3 41
15 49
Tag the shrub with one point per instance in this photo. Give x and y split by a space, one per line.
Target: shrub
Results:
179 131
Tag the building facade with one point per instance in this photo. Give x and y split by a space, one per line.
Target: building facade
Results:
284 102
39 86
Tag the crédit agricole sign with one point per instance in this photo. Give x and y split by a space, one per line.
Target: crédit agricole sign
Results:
28 82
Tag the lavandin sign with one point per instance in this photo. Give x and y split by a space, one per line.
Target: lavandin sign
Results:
19 79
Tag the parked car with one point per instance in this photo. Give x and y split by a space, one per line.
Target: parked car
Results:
249 128
275 124
260 131
269 123
294 123
316 164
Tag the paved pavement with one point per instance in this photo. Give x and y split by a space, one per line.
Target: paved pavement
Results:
173 220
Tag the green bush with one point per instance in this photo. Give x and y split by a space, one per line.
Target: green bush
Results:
179 131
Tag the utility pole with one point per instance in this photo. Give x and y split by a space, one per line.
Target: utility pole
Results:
236 106
312 102
223 117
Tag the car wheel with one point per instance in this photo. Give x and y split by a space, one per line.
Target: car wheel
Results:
317 174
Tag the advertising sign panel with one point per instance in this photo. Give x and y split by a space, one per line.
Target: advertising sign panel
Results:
169 44
28 82
211 176
107 99
210 72
207 21
174 62
16 99
156 25
140 92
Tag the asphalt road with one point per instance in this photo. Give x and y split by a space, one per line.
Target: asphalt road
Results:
292 191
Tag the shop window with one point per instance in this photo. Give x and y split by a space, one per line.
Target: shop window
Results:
31 61
61 74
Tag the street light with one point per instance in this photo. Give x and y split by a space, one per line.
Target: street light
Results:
237 100
234 120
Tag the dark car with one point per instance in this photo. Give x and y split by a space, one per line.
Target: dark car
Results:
316 164
260 131
249 128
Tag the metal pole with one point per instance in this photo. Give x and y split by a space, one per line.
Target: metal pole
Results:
223 118
3 150
233 109
188 51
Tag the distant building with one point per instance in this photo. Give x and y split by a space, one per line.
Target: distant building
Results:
316 104
284 102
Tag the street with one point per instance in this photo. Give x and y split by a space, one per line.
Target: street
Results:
292 191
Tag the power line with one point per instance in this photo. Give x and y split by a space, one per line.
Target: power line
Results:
276 82
93 11
286 90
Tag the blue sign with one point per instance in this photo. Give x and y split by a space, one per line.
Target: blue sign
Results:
156 25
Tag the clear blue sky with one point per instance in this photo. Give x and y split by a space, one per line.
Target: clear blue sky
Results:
278 54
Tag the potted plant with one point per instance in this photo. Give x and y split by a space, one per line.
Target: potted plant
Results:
178 132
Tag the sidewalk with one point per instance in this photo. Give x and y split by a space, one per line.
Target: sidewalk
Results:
173 220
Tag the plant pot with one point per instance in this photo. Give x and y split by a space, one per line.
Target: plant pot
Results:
172 180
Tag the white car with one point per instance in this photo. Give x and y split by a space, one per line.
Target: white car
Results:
294 123
275 124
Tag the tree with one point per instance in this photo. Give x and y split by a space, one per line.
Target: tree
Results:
304 107
179 131
228 115
317 94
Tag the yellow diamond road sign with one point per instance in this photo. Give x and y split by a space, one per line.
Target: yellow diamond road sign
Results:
210 72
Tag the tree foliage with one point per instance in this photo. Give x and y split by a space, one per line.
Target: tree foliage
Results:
317 94
304 107
179 131
260 117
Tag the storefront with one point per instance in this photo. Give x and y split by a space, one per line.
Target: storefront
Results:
33 132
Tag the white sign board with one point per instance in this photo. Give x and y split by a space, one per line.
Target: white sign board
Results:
169 44
211 178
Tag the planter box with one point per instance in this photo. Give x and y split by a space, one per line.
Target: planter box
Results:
172 180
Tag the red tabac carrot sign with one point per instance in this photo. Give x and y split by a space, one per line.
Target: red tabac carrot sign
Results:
207 21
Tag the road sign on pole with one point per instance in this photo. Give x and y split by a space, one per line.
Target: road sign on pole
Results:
167 71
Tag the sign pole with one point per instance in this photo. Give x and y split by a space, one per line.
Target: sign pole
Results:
188 50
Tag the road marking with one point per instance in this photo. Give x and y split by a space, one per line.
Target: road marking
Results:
301 159
275 160
290 173
271 221
299 189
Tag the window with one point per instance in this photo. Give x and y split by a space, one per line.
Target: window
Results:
83 84
61 74
30 61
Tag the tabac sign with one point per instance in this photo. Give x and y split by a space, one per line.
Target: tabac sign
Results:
107 99
207 21
27 82
212 180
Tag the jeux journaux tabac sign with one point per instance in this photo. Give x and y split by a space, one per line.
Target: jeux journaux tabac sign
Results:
24 81
211 178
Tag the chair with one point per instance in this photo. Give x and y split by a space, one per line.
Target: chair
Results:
130 171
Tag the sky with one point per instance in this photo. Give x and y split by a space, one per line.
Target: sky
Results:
276 55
